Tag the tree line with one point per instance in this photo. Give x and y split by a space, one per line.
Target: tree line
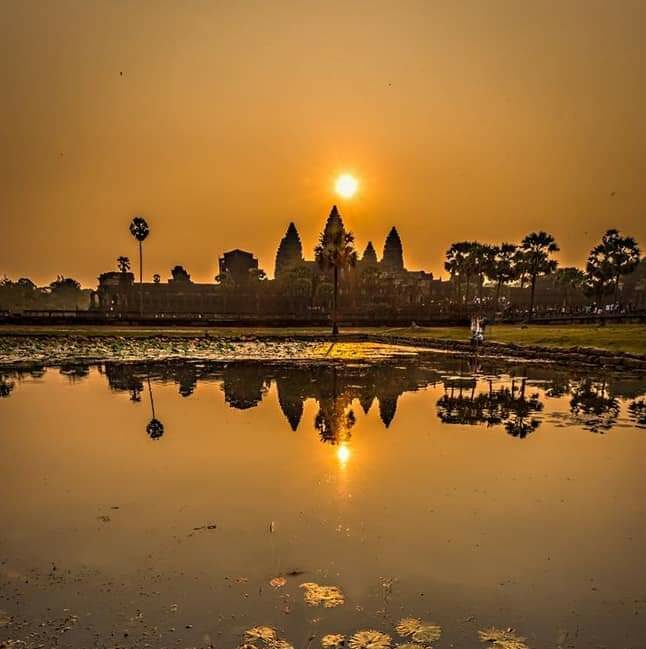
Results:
63 293
472 262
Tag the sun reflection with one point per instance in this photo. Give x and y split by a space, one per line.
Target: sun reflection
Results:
343 454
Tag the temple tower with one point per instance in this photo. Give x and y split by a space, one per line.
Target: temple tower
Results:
290 251
393 259
334 222
369 256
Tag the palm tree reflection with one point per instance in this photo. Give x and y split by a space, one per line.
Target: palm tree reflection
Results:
508 406
593 407
155 428
637 412
6 387
333 421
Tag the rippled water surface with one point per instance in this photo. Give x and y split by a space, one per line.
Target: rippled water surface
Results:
178 505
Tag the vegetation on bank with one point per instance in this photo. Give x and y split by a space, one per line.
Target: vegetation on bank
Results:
629 338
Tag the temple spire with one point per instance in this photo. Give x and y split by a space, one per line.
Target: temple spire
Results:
334 222
369 254
290 251
393 258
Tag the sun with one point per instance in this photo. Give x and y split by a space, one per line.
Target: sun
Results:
346 185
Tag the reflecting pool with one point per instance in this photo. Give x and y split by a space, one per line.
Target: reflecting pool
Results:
181 504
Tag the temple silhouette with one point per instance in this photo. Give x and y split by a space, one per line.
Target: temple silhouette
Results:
299 287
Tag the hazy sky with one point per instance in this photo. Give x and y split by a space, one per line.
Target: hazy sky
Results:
460 119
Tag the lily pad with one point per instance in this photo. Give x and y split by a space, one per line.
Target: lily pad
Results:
332 641
262 633
328 596
502 638
427 633
370 639
407 626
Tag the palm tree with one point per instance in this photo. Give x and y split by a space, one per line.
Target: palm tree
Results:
537 247
502 267
482 256
139 230
454 266
335 251
123 263
569 279
462 262
619 254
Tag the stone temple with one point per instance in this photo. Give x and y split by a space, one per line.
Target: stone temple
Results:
373 289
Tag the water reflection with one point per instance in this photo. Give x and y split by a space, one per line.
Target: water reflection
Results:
593 407
496 395
510 406
637 412
155 428
6 386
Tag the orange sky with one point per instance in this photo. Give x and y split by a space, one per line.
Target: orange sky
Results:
460 119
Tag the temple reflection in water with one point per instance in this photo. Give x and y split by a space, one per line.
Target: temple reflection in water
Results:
511 398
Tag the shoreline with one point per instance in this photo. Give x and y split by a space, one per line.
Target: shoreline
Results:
28 348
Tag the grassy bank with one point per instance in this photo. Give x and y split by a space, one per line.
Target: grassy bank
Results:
614 338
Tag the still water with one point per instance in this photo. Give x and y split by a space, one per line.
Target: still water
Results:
178 505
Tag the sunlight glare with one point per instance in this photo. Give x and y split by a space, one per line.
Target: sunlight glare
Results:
346 185
343 454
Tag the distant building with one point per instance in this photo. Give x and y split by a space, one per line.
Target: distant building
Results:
239 265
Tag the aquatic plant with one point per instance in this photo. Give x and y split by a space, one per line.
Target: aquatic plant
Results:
427 633
277 582
370 639
502 638
407 626
278 644
329 596
263 633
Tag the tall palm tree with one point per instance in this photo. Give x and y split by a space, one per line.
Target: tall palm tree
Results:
482 256
461 263
335 251
454 266
620 254
537 247
123 263
139 230
501 268
569 279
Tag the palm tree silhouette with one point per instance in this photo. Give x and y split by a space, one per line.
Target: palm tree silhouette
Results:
617 256
501 267
123 263
569 279
536 248
139 230
454 266
335 251
155 428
